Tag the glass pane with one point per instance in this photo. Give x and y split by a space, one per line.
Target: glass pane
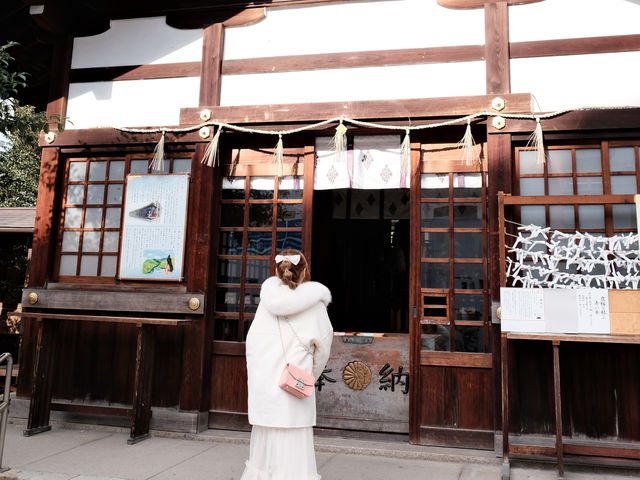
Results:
109 263
232 216
435 185
291 187
258 270
434 214
139 166
116 170
469 339
112 219
467 245
91 242
233 188
435 338
529 163
75 194
77 171
288 240
561 216
227 299
68 264
467 215
97 171
435 245
591 216
289 215
72 217
231 243
259 243
622 159
559 161
624 216
469 307
261 188
229 271
467 185
182 165
533 215
260 215
251 300
110 241
532 186
434 275
70 241
623 184
589 185
114 193
468 276
561 186
93 218
588 160
95 194
89 266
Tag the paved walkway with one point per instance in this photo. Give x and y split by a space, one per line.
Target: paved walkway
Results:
84 452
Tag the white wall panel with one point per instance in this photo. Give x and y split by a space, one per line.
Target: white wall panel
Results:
556 19
608 79
131 102
137 41
350 84
359 26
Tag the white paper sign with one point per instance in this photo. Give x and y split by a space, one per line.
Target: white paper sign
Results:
522 310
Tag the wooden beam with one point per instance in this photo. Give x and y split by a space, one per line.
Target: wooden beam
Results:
111 136
172 322
411 56
369 109
468 4
575 46
135 72
448 359
228 17
496 27
212 48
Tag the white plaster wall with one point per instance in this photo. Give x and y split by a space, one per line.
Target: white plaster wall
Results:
351 84
131 103
573 81
557 19
359 26
137 41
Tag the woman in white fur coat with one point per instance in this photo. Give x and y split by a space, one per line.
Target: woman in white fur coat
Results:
292 315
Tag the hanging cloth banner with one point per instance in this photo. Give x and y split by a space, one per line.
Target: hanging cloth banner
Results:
374 163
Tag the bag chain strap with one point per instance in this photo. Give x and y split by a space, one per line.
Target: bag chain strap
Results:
306 348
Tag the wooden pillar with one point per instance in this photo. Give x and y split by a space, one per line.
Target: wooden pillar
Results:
196 356
141 415
558 407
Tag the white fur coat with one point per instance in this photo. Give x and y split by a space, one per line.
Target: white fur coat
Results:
303 311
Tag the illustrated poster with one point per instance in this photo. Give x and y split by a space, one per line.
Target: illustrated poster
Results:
154 227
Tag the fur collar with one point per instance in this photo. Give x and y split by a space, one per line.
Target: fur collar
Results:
279 299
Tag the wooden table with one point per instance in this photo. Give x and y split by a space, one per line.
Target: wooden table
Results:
556 340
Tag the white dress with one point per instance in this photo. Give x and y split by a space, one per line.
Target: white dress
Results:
282 434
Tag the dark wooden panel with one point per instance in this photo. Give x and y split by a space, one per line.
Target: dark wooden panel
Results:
576 46
167 367
627 385
475 398
438 396
229 384
456 437
403 108
496 31
135 72
229 421
229 348
90 409
411 56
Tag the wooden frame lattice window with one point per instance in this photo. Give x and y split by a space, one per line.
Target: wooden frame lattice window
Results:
605 168
260 215
91 213
453 267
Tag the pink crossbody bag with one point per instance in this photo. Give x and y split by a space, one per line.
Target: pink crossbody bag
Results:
293 379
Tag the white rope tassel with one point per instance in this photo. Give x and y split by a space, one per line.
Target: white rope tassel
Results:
211 153
339 142
278 154
405 151
536 141
468 144
157 162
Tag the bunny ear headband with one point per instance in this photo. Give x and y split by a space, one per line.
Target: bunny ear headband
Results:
295 259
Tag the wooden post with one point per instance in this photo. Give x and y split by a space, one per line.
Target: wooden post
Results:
506 468
558 406
141 415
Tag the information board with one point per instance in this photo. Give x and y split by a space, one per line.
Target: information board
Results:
154 227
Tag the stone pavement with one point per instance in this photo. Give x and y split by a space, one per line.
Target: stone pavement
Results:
86 452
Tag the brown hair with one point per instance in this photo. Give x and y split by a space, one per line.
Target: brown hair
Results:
290 274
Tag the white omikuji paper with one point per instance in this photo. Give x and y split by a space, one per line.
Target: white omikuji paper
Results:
548 310
154 226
